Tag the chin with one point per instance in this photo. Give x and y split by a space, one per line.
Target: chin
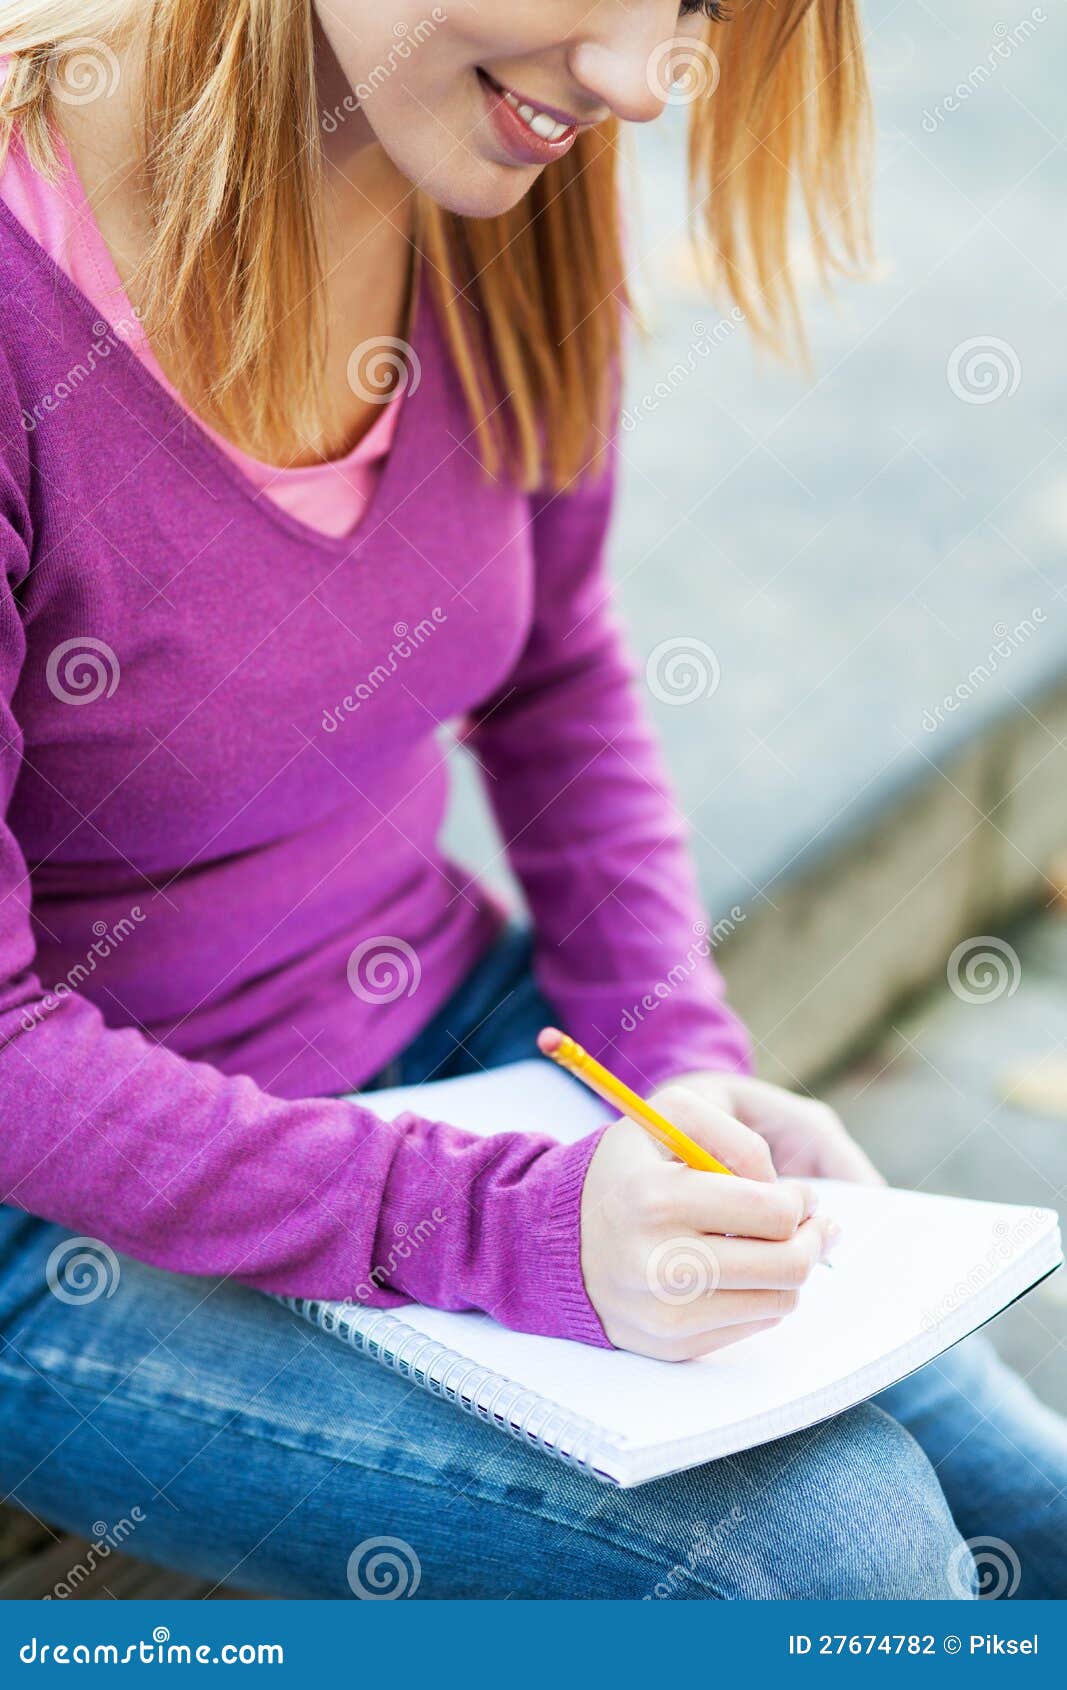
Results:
475 187
499 191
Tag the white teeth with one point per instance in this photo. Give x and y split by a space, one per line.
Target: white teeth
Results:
539 121
546 127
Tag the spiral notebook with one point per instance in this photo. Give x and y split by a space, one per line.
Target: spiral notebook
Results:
913 1274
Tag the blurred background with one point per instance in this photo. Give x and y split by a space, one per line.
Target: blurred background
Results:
846 589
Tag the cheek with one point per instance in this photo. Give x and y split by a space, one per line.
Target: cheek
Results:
383 47
413 78
399 57
415 72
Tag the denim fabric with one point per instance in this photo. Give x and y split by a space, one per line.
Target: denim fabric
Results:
247 1447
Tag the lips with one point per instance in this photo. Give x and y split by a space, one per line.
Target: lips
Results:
529 134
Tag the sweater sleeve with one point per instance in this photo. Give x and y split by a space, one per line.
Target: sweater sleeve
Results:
578 789
173 1162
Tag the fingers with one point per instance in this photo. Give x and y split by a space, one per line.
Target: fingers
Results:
760 1104
717 1203
806 1133
725 1309
690 1348
702 1284
679 1263
686 1308
850 1162
743 1150
746 1263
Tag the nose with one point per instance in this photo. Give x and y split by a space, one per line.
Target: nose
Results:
621 74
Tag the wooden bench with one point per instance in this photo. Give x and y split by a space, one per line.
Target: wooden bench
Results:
36 1561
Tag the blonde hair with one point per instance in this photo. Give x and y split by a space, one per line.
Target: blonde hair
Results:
531 300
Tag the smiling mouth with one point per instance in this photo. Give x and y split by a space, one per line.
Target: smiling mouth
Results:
530 133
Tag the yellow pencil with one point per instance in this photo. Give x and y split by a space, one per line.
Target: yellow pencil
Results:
577 1061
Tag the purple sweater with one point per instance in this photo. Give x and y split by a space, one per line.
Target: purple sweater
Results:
223 788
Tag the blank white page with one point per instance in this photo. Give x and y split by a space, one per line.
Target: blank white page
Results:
524 1097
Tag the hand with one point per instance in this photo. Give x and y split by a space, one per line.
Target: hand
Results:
806 1138
660 1272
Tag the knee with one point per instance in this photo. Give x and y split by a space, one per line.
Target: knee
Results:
849 1510
873 1522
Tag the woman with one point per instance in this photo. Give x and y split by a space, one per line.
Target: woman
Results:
309 370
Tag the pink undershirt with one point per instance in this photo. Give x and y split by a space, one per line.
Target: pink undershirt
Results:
331 497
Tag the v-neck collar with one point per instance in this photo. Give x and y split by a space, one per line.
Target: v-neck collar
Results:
192 431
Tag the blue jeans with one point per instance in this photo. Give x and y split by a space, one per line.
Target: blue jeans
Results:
211 1430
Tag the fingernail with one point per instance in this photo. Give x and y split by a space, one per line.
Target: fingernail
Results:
831 1237
812 1203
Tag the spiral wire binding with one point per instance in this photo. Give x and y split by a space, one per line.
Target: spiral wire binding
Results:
477 1390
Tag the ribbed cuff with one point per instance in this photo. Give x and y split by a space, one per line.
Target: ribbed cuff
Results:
559 1247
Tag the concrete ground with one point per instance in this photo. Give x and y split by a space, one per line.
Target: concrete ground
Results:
859 542
946 1101
846 586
